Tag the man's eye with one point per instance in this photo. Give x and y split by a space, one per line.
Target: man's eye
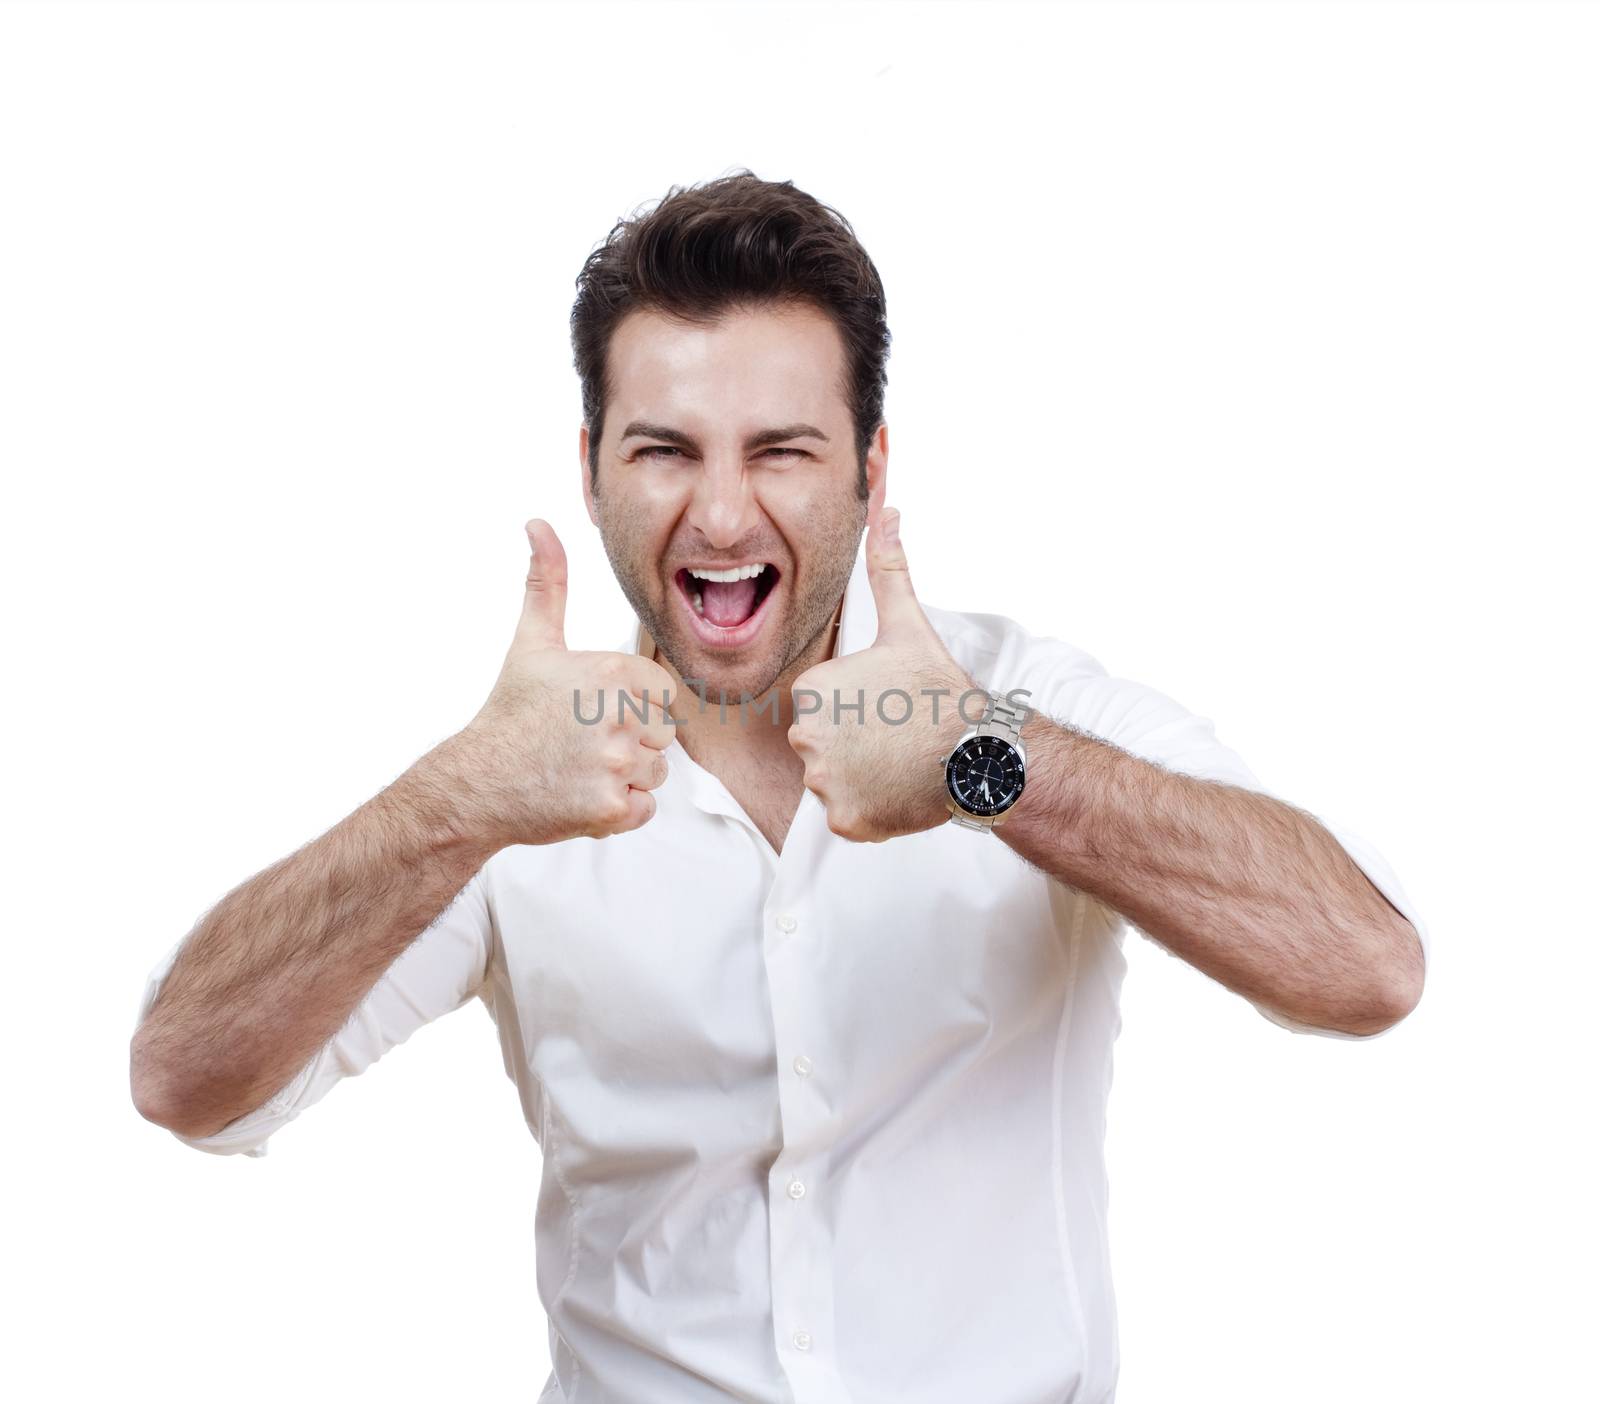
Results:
657 450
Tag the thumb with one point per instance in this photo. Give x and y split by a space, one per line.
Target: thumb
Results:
899 614
544 605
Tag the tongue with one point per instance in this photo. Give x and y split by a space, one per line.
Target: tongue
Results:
728 602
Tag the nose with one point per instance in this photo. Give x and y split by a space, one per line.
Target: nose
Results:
723 509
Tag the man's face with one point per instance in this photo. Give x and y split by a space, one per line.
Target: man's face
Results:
726 448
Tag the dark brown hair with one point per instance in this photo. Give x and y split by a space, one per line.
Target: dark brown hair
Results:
737 241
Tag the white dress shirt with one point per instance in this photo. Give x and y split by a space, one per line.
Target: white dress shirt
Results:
818 1126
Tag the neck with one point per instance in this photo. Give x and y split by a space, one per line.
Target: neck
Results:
762 725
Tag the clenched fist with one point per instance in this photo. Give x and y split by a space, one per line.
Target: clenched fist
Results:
536 772
877 770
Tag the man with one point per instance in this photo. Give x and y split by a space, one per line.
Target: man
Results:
816 1037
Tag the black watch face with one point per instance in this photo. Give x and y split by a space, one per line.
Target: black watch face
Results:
984 774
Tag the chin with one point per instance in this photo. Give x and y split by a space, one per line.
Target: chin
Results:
719 682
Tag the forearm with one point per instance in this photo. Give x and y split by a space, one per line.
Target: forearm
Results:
1257 894
275 968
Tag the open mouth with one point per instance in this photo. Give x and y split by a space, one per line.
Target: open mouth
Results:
727 606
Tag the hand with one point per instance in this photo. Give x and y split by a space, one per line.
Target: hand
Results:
879 776
538 773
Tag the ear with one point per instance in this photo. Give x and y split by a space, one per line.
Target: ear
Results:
583 473
877 471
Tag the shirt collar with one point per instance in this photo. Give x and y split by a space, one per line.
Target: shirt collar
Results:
858 619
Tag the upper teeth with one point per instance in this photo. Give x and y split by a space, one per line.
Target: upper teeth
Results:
737 573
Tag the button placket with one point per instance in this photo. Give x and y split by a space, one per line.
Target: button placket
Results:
800 1227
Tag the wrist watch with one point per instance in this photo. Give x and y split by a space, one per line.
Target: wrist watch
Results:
985 772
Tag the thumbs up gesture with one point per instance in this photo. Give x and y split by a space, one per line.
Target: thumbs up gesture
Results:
876 768
536 772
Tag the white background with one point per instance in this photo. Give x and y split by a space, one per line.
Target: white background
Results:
1267 334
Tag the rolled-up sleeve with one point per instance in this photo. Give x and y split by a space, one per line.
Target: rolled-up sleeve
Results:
444 968
1074 689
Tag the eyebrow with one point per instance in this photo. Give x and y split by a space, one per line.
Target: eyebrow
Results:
781 433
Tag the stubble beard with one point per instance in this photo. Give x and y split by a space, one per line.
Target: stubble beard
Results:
804 635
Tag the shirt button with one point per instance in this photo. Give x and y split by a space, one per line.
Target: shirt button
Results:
802 1340
787 923
802 1066
796 1190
